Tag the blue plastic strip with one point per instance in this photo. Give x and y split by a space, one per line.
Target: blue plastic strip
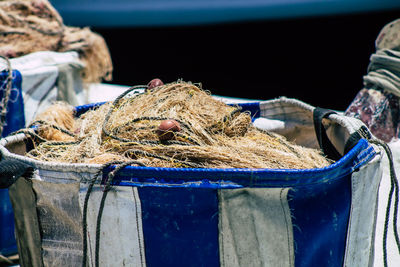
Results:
79 110
8 244
169 215
320 215
252 107
15 118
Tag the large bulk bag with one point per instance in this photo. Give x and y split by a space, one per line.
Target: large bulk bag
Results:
66 213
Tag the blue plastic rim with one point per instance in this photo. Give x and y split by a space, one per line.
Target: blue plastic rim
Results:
360 155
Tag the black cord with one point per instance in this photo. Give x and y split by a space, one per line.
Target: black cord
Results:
129 152
107 188
151 142
226 118
85 206
394 188
114 105
40 122
120 165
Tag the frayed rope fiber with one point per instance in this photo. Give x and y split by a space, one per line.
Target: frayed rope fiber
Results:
35 25
206 133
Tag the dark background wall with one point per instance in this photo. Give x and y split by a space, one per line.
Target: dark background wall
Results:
319 60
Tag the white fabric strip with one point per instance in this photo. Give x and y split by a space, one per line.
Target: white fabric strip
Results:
255 227
121 237
364 201
393 255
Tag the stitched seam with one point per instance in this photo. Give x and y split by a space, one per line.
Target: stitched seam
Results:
220 204
287 228
137 226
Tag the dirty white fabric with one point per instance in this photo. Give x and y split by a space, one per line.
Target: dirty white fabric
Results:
255 228
393 254
360 236
294 120
48 77
121 236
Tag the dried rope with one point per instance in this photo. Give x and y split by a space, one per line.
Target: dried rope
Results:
147 154
206 130
31 132
115 104
35 123
32 26
185 125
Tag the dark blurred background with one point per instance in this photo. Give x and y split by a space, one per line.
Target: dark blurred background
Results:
319 59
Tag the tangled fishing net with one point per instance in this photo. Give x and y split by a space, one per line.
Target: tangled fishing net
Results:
208 134
28 26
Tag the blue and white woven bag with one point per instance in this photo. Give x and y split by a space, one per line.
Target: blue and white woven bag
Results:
209 217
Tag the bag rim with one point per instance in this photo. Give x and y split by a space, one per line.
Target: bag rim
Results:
355 159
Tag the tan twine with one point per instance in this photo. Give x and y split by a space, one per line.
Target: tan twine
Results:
213 134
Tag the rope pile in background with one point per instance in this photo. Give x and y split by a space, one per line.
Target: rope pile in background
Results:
34 25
